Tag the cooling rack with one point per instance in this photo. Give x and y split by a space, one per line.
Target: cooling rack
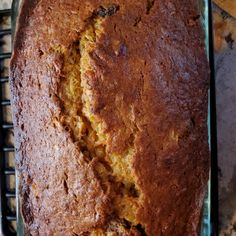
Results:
7 171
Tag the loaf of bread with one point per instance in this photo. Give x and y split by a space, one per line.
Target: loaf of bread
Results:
110 117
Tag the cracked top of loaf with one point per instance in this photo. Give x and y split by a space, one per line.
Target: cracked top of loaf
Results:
110 117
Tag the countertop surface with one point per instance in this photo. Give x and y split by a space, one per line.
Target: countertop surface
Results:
226 129
225 71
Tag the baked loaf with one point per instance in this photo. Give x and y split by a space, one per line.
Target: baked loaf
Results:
110 116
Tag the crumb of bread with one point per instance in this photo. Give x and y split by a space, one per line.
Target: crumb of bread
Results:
224 32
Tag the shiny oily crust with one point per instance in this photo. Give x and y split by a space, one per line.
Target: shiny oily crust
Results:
110 117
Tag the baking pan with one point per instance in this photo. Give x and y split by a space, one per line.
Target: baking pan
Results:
205 6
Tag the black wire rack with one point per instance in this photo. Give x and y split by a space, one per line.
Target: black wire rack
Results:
7 172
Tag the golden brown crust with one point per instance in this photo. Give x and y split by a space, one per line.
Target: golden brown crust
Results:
143 80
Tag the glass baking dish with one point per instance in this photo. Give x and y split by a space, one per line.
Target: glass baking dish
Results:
206 219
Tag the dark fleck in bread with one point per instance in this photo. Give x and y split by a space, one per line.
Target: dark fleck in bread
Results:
110 116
